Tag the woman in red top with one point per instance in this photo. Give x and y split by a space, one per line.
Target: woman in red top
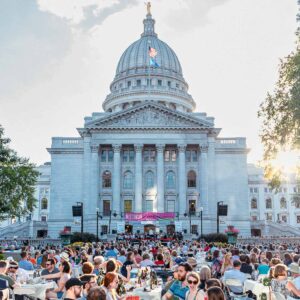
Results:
160 260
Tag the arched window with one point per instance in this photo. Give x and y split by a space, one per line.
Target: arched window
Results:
269 203
191 179
253 203
106 179
283 203
149 180
44 203
128 180
170 180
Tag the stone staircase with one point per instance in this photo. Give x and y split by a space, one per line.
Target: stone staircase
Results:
269 228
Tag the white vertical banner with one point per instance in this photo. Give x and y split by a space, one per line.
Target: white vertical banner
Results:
120 227
77 220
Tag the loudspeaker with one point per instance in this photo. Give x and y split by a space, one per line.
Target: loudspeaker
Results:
222 210
77 211
114 231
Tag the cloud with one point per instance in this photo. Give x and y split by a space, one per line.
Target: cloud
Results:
94 15
32 43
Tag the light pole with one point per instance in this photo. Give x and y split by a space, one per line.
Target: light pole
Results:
97 225
190 216
114 214
218 214
201 211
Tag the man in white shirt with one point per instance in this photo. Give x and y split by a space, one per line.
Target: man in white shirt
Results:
235 273
146 262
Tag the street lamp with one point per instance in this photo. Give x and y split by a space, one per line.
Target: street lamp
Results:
97 224
81 204
201 211
218 215
114 214
190 216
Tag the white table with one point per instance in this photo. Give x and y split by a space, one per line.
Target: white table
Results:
37 290
257 288
151 295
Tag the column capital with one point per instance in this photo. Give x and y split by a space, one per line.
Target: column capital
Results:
204 148
181 147
117 147
138 147
94 148
160 147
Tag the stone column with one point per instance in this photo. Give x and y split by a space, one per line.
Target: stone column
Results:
182 182
95 179
138 186
203 171
116 184
86 174
160 178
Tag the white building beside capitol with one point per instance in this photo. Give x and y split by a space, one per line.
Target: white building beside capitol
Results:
149 151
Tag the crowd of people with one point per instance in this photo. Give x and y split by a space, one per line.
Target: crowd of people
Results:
190 270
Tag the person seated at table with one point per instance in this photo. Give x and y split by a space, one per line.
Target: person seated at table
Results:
16 273
73 289
122 256
89 281
24 263
245 264
167 259
96 293
227 263
87 268
63 275
205 274
110 285
235 273
279 281
159 260
111 252
193 281
263 267
146 262
215 293
129 262
50 269
179 287
3 270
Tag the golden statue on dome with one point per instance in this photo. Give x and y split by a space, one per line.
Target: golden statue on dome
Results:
148 4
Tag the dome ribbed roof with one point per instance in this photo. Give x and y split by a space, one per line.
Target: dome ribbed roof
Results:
136 55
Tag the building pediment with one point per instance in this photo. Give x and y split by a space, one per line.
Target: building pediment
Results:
148 116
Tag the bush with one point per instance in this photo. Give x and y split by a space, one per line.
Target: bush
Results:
86 237
215 237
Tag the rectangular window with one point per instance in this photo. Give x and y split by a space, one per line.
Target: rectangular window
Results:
255 190
194 155
146 155
138 82
152 155
284 218
106 208
125 155
43 218
269 217
266 190
177 85
103 155
298 219
131 155
194 229
169 83
167 155
173 155
149 205
159 82
128 83
192 207
127 206
104 229
188 155
251 190
110 155
171 206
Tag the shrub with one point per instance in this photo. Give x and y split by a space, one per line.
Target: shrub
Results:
215 237
86 237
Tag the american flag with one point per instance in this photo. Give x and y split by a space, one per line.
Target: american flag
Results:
152 52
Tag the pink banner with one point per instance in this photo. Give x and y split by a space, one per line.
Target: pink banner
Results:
148 216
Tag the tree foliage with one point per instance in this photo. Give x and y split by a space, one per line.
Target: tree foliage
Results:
280 114
17 179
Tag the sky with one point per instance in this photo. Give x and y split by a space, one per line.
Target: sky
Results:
58 57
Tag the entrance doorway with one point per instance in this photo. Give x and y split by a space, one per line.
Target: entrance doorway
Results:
128 228
149 229
255 232
170 229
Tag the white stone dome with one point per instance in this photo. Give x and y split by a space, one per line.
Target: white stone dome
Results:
137 81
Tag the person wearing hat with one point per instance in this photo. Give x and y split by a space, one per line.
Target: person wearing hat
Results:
16 273
193 262
73 289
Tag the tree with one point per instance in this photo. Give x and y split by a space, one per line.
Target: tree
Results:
17 179
280 115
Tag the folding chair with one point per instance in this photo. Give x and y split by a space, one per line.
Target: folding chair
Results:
234 284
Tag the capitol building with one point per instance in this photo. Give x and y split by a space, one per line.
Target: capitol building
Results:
148 151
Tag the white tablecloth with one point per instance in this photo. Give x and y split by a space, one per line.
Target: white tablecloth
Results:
257 288
36 290
152 295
